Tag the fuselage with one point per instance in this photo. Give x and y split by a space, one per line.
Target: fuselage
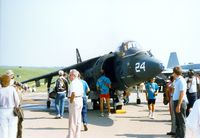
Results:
137 68
126 67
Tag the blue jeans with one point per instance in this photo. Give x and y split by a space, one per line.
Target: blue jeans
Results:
84 111
60 103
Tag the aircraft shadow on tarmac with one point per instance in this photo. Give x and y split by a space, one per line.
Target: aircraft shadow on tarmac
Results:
93 115
96 119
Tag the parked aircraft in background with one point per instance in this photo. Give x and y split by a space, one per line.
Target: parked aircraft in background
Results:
173 61
126 67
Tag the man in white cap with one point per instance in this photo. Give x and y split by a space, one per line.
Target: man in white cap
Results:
61 89
17 86
11 74
13 82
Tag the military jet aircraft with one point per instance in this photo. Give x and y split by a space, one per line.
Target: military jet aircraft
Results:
126 67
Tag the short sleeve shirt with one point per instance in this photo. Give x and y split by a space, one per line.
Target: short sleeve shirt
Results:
192 86
76 86
179 85
85 87
8 97
151 89
101 83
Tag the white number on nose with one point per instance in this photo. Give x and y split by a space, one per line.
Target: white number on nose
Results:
139 66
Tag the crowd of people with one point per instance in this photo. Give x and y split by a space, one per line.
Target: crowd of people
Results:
181 92
76 90
184 104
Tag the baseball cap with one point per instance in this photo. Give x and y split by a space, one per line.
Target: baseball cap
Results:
9 72
61 72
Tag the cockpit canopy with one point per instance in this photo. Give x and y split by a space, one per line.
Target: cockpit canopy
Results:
129 47
132 48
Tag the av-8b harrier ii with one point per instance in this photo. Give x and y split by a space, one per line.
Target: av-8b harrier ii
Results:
126 67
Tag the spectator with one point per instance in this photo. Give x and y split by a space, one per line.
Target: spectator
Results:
19 88
151 93
169 94
103 84
84 109
198 89
142 87
75 104
126 95
8 100
61 88
193 121
192 82
180 101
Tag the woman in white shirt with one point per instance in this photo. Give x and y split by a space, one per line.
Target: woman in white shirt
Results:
8 100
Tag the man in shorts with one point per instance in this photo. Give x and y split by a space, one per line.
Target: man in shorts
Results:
152 92
103 84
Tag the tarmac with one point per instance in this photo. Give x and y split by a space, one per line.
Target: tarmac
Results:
40 123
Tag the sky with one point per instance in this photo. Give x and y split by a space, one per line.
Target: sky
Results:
47 32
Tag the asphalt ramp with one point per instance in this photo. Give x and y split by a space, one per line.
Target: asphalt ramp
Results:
40 121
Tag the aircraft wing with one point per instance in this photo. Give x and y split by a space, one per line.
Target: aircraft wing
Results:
80 66
46 76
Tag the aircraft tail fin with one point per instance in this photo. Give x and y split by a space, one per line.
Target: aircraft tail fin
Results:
78 57
173 60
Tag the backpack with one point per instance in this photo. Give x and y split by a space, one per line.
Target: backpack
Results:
61 85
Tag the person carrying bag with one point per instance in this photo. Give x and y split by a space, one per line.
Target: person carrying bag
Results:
18 111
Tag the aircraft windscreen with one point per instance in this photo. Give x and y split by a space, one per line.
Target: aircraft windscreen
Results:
132 46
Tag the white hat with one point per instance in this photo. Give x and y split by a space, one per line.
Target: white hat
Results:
9 72
61 72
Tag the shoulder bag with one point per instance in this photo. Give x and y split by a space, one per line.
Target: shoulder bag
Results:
18 111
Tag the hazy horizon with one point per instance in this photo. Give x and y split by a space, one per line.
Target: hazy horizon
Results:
47 32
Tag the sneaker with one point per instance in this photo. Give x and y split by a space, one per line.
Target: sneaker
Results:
85 128
149 115
109 114
57 116
152 116
102 114
61 117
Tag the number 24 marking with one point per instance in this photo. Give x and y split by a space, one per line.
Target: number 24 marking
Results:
139 66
